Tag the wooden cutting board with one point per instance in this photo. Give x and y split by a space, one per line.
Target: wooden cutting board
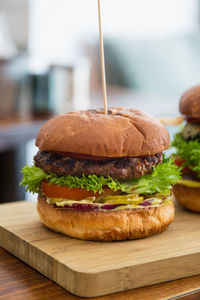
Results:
92 269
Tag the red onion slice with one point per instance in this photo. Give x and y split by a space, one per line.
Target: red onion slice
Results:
111 206
106 206
146 203
79 206
88 206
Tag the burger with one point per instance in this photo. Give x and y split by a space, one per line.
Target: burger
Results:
187 145
103 177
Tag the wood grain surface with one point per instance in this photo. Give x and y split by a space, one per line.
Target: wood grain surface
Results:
91 269
19 281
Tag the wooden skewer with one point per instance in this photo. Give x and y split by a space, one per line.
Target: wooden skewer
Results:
103 74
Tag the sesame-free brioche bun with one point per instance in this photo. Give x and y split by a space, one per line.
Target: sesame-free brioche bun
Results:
123 132
190 102
188 197
106 226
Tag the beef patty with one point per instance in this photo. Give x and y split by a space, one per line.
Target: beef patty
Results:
120 168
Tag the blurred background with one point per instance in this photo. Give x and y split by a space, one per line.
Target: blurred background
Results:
49 64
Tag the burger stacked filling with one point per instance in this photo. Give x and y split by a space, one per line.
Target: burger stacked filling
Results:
187 144
75 181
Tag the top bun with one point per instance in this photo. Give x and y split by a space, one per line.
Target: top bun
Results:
190 102
123 132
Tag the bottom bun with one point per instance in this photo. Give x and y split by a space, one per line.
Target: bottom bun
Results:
106 226
188 197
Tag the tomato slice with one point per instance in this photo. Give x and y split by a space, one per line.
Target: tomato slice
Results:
179 162
193 120
56 191
83 156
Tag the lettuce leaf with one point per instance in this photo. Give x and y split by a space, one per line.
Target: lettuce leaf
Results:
189 151
33 177
163 177
160 181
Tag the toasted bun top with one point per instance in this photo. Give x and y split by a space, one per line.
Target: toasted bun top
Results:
190 102
123 132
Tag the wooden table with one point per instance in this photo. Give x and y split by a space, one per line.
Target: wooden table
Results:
19 281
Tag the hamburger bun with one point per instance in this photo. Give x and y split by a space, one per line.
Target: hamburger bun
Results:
190 102
121 133
90 143
106 226
188 197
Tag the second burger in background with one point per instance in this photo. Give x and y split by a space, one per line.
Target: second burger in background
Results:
187 144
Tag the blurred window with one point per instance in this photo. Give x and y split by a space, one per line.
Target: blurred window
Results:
58 29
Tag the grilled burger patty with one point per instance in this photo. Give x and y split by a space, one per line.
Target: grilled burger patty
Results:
120 168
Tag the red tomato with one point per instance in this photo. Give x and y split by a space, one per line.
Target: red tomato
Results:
179 162
56 191
83 156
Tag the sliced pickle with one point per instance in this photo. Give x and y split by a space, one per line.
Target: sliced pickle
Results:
164 203
126 201
125 196
155 201
127 207
162 196
65 201
167 202
120 199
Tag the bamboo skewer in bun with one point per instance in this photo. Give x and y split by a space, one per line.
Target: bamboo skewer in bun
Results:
100 175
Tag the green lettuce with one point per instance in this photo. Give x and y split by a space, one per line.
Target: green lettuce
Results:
189 151
33 177
160 181
163 177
